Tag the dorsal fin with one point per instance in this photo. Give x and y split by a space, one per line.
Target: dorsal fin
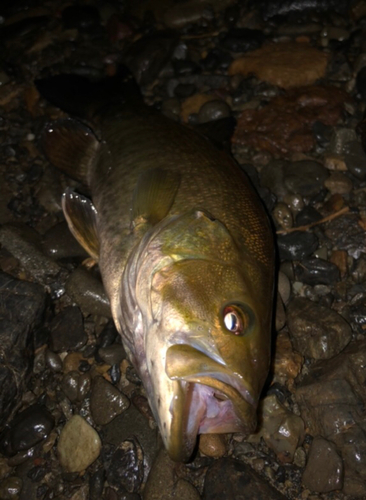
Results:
154 196
71 147
81 216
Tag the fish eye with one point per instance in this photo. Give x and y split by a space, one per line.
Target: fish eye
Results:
236 319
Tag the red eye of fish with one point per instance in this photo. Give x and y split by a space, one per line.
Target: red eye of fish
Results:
235 320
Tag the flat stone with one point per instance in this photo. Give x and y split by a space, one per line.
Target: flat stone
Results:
21 311
286 64
106 401
79 445
313 271
324 469
317 331
228 478
297 245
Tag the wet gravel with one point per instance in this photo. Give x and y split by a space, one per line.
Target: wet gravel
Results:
291 81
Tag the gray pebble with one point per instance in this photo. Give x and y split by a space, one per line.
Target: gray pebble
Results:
297 245
340 137
317 331
305 177
324 470
70 385
284 287
314 271
113 354
355 158
106 401
53 361
213 110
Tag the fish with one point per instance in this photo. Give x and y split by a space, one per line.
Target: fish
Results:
185 251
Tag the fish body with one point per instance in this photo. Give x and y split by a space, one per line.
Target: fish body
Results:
186 255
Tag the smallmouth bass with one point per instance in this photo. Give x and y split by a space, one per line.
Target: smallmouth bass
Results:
186 255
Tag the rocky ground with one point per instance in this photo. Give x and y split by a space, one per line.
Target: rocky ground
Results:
75 419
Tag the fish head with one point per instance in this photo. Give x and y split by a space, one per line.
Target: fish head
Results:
206 341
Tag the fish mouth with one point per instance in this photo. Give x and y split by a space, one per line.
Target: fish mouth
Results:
207 398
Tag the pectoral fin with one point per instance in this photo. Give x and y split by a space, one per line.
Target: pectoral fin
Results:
154 196
81 217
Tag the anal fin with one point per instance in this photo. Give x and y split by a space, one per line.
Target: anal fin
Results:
81 217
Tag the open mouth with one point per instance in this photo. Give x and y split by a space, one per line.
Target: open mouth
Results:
208 398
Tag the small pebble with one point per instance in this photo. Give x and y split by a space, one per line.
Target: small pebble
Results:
283 216
338 182
10 488
106 401
213 110
53 361
112 354
213 445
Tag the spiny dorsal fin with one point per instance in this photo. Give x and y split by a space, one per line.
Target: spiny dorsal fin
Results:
81 217
71 147
154 195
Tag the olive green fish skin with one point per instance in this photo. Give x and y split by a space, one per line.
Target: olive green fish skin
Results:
169 281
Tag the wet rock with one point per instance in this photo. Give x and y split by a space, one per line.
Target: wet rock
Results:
287 362
242 40
132 423
10 488
28 428
340 137
282 430
332 398
283 216
338 182
307 216
229 478
324 469
76 386
355 158
213 445
73 361
297 245
284 126
164 484
313 271
59 243
184 90
317 332
213 110
273 8
96 484
106 401
108 335
304 177
67 330
346 233
191 12
280 314
21 310
193 105
53 361
113 354
88 292
284 287
126 466
22 243
284 64
148 55
78 446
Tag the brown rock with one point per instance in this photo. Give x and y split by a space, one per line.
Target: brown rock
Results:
213 445
287 362
340 258
324 470
284 64
284 126
338 182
